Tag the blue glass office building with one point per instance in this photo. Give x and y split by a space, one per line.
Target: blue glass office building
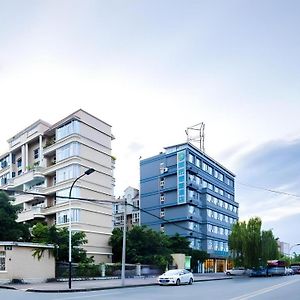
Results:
187 192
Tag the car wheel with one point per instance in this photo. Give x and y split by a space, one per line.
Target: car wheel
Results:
228 273
191 281
178 281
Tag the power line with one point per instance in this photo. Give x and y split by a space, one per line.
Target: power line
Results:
106 202
165 220
11 191
268 190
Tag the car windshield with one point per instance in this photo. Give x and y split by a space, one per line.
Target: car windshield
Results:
173 272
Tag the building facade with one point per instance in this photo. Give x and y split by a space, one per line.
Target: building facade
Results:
187 192
132 197
46 159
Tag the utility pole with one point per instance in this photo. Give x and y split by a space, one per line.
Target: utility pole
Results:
124 243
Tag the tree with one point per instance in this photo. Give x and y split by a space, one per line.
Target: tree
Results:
198 256
253 243
146 246
237 243
179 244
59 237
269 246
250 246
10 229
115 242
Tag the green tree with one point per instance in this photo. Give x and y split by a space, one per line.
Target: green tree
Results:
198 256
269 246
10 229
59 237
116 242
253 243
146 246
179 244
237 241
250 246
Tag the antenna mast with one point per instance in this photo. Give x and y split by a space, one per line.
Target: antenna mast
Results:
195 134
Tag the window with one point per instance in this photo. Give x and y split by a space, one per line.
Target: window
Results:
66 173
162 183
219 175
229 181
197 162
63 216
209 198
135 217
4 162
215 243
19 162
36 153
68 129
191 209
162 227
65 193
2 260
4 179
68 150
209 244
162 199
162 212
204 166
191 158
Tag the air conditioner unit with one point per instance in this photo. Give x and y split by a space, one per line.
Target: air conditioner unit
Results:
166 170
162 183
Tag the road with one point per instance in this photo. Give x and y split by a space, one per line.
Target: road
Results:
239 288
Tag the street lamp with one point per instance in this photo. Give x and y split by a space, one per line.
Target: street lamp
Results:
87 172
298 244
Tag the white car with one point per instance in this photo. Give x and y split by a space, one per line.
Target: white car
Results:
236 271
176 277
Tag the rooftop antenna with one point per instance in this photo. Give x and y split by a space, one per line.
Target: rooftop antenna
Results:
195 134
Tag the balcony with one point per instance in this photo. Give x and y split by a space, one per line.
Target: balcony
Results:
24 198
31 176
34 213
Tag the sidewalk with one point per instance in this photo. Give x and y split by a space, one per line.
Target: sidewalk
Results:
101 284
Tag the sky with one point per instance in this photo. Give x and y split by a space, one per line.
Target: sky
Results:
153 68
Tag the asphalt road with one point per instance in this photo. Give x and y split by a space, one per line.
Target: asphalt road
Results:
239 288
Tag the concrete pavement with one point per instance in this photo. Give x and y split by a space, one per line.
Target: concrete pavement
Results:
101 284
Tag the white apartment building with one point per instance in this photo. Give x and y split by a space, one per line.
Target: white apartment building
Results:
47 159
132 197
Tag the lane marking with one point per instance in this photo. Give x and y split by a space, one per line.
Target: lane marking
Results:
264 291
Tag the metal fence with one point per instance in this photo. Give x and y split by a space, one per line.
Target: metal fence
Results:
104 270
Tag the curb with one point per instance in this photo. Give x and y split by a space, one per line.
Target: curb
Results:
90 289
7 287
110 287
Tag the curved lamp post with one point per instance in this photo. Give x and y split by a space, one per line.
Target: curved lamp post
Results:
298 244
87 172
